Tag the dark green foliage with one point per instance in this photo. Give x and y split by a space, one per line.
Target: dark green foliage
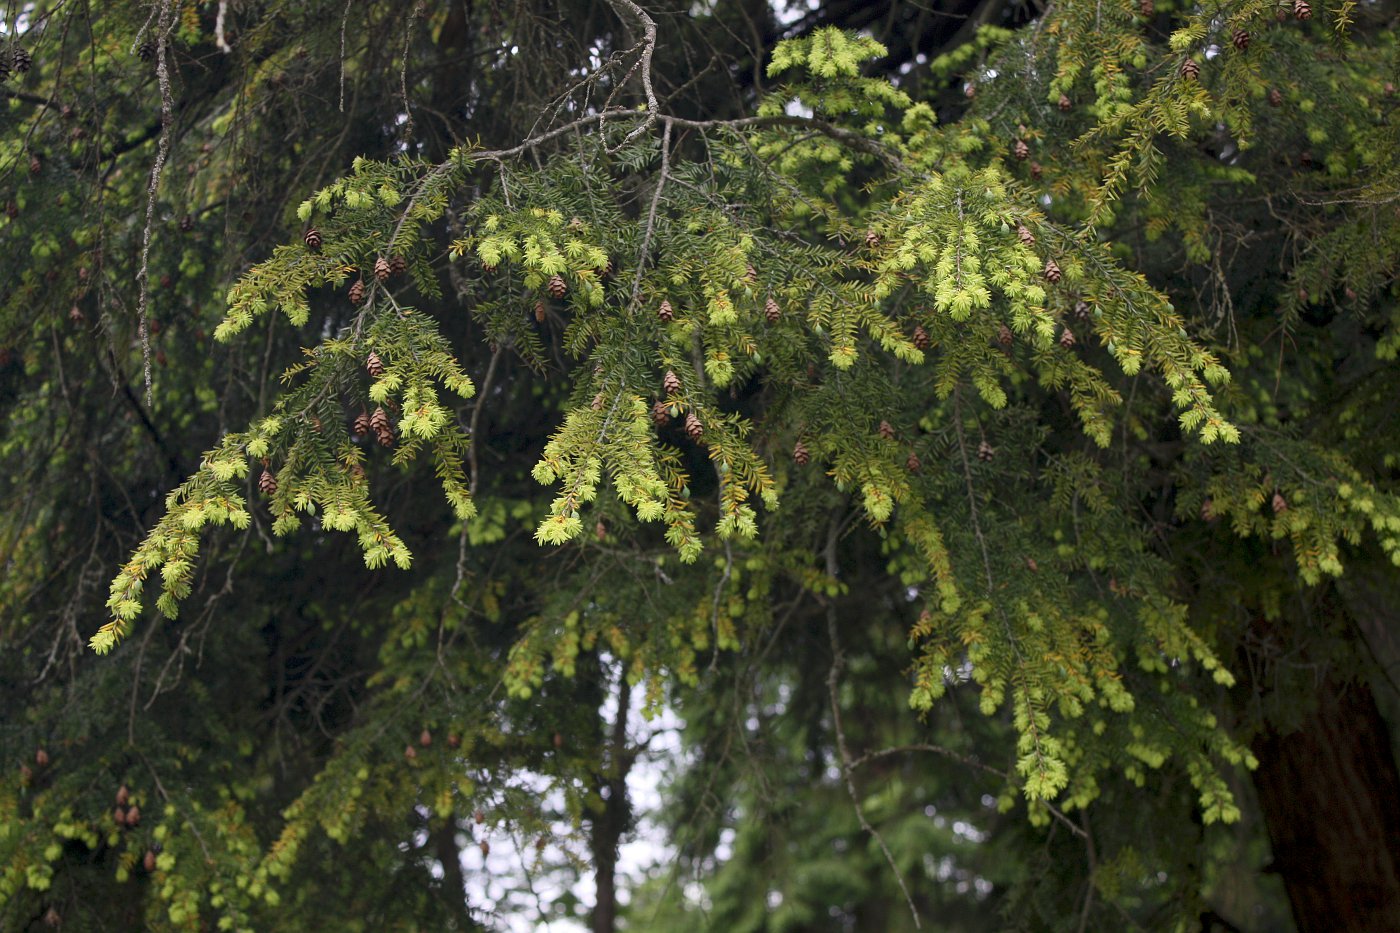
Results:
937 457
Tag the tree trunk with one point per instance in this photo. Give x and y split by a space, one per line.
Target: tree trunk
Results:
611 823
1330 793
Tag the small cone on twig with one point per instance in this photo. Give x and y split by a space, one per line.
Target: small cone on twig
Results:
1023 233
671 382
1067 338
921 337
666 312
397 265
557 287
1240 39
1036 170
985 451
539 311
357 291
361 425
374 364
267 483
425 738
800 455
148 861
1275 97
312 237
771 310
1279 503
1020 150
1190 70
1004 335
872 239
41 758
1064 102
887 430
381 269
1052 271
660 414
912 464
1302 9
693 428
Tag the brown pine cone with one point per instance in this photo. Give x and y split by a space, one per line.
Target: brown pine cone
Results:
397 265
666 312
312 238
800 455
887 430
357 292
771 310
1024 234
374 364
1036 170
671 382
921 338
556 286
1052 271
912 464
361 425
1302 9
1067 338
1275 97
1020 150
1279 503
985 451
381 269
1190 70
1064 103
660 414
872 239
1240 39
693 428
267 483
1004 335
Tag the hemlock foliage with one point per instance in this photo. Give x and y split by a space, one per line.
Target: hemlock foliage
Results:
980 445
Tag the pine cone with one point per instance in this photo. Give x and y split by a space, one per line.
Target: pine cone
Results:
912 464
267 483
887 430
800 455
970 90
985 451
1305 158
146 52
921 338
1052 271
374 364
397 265
11 209
1020 150
361 427
1190 70
597 403
1240 39
381 269
660 414
1004 335
771 310
186 223
1064 103
52 918
1301 10
478 817
23 60
148 861
133 817
425 738
872 239
312 238
379 421
1082 310
35 166
539 311
75 314
1024 234
485 848
671 383
357 291
41 758
693 428
123 796
666 312
409 753
1036 170
1279 503
1067 338
1275 97
4 68
1208 509
1147 8
750 273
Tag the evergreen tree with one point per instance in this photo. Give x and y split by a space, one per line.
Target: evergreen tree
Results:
972 424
